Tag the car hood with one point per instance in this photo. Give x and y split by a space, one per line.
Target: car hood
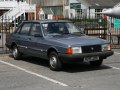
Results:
75 40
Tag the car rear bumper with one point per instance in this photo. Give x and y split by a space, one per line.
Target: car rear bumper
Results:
80 57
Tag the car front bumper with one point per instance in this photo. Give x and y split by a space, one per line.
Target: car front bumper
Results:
80 57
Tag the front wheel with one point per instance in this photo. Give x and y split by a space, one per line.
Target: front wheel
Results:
15 52
54 62
96 63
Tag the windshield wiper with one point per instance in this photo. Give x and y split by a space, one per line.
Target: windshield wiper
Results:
77 33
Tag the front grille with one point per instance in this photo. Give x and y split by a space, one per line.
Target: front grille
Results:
92 48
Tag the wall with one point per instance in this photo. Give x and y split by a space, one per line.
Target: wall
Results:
47 2
70 13
85 11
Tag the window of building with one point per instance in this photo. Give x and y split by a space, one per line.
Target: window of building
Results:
79 13
98 15
57 10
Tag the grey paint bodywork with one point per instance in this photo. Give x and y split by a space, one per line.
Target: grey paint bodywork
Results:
39 46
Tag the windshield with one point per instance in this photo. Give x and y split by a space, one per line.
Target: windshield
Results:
59 28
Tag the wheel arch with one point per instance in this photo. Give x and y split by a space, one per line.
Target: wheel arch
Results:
52 49
12 44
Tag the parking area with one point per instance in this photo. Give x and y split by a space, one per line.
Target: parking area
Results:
33 73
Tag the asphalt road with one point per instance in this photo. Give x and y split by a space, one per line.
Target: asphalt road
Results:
34 74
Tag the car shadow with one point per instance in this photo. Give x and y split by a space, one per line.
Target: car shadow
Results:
38 61
34 60
70 67
83 67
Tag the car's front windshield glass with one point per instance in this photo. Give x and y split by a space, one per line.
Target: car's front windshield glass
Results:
60 28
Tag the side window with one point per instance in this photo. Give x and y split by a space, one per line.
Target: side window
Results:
36 29
18 30
25 29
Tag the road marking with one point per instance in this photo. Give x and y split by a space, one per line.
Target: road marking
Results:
117 53
39 75
115 67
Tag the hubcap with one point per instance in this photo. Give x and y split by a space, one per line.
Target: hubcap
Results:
53 61
15 52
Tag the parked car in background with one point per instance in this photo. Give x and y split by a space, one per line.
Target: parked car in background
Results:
59 42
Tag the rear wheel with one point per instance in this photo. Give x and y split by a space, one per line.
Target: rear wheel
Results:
54 62
96 63
15 52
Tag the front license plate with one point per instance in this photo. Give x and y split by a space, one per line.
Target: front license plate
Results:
87 59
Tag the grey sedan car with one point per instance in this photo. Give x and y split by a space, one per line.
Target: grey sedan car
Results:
58 41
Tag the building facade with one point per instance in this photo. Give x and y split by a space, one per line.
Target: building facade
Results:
14 11
71 8
57 9
95 6
74 9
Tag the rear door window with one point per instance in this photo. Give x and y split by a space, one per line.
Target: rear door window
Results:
25 29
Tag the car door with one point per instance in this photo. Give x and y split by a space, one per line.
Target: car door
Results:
36 39
24 37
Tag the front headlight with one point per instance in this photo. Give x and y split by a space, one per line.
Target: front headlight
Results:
106 47
74 50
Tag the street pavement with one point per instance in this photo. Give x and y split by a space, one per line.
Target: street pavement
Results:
31 73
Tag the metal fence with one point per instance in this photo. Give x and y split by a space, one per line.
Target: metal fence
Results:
6 28
90 26
106 28
113 31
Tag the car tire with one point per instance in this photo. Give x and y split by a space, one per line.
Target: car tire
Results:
96 63
54 62
15 52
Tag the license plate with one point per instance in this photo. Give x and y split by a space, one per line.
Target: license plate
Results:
87 59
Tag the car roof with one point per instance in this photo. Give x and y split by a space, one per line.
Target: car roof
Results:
46 21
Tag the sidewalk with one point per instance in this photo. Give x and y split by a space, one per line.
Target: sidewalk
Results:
5 57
